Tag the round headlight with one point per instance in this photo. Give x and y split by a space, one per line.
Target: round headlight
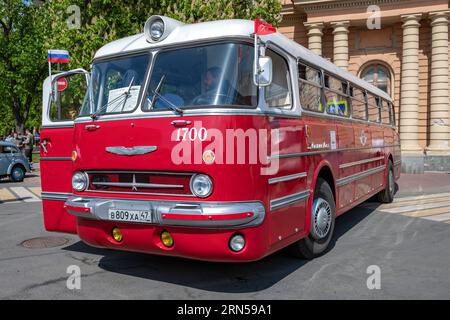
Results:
157 30
79 181
237 242
201 185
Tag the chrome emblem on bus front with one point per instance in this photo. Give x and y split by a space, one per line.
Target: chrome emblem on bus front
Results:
133 151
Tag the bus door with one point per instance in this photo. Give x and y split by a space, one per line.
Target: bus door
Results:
62 98
346 142
377 152
363 152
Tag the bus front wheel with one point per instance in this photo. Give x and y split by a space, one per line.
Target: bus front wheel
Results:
323 215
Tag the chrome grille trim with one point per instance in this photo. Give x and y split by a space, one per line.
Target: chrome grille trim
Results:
133 185
139 185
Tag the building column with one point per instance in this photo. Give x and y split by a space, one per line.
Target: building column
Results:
315 36
439 91
409 104
340 43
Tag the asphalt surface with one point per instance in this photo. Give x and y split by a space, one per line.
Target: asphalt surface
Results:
412 254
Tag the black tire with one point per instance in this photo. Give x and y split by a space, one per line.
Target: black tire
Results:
387 195
17 173
318 239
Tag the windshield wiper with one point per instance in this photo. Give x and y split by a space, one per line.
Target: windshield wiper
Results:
123 95
157 95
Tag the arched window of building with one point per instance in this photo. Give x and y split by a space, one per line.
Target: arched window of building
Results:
379 76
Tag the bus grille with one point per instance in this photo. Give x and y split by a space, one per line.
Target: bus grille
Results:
138 182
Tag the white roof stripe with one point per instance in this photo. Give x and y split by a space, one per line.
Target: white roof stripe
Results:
232 28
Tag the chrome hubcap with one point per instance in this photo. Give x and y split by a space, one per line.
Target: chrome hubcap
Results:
321 218
391 182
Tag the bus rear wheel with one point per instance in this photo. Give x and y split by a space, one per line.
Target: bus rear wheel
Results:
387 195
323 215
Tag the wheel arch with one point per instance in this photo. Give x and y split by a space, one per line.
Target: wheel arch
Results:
324 171
17 163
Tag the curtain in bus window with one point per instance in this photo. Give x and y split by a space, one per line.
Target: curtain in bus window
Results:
309 88
358 104
374 111
336 98
277 94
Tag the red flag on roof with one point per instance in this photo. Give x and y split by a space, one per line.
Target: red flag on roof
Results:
262 28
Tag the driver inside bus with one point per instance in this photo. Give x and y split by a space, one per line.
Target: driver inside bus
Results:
217 90
211 81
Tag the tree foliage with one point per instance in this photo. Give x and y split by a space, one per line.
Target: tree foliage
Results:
27 31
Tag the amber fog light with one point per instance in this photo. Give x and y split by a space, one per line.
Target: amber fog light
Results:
117 234
237 242
166 239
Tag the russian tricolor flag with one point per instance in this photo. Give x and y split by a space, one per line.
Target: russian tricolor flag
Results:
58 56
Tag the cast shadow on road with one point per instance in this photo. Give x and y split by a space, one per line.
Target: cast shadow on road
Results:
215 277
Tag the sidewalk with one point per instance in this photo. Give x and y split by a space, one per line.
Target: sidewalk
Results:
426 183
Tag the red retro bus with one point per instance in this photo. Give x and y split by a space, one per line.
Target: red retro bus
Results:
209 142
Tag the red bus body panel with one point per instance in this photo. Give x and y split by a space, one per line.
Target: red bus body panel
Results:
233 182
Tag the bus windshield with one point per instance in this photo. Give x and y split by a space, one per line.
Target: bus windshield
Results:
216 75
115 85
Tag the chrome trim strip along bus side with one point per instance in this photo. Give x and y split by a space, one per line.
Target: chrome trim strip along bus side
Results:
287 177
288 200
309 153
57 126
355 163
55 195
356 176
56 158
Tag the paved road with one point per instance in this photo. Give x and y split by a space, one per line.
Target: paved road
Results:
412 253
408 240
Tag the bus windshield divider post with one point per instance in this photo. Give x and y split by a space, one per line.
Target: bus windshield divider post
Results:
256 62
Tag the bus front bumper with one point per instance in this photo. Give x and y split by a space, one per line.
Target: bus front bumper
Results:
171 213
200 230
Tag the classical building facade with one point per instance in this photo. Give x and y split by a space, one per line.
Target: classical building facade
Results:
402 47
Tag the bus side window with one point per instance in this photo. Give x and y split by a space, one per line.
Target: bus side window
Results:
392 114
68 100
309 88
385 117
358 104
374 110
336 97
278 93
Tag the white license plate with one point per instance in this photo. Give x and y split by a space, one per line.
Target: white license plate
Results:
130 215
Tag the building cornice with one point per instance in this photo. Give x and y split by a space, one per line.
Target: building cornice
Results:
313 5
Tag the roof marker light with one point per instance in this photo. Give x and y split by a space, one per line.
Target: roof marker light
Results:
157 28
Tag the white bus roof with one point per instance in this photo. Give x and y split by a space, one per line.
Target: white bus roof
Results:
221 29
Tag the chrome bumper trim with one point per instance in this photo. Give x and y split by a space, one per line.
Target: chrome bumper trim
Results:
99 211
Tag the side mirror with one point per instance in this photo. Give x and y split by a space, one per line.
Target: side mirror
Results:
265 71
